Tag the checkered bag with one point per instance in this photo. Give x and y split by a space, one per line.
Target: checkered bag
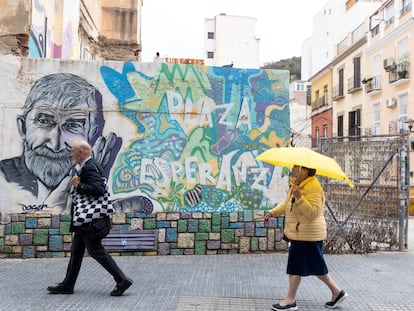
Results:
86 208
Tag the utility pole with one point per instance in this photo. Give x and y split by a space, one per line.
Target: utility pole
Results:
404 185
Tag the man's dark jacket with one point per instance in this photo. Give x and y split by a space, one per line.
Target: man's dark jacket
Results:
92 181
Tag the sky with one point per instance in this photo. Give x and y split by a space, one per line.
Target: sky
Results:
175 28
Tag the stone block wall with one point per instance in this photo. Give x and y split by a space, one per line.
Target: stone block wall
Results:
37 235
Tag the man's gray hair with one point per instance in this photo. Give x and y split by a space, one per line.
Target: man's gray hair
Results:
64 91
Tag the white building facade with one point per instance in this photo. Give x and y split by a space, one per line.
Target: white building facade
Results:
331 25
231 41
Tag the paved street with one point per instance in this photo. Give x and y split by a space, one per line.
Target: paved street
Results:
379 281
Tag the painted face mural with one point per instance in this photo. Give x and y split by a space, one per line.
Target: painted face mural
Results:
47 139
177 137
58 109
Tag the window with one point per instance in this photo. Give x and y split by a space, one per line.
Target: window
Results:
340 129
376 121
308 95
354 126
376 65
317 136
325 130
402 111
325 95
402 50
210 35
405 6
341 82
210 54
357 72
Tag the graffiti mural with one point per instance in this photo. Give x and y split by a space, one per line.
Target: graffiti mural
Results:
198 130
170 137
58 109
53 37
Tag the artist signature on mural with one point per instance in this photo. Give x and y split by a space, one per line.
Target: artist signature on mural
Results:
33 207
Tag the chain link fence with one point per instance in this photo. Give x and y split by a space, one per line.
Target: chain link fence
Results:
368 217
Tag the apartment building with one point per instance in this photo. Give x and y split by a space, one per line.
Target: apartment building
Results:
321 105
347 94
72 29
388 84
231 41
367 88
331 25
300 113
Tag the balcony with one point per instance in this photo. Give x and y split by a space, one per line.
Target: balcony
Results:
399 74
338 92
389 21
372 84
319 103
405 9
395 126
354 84
375 30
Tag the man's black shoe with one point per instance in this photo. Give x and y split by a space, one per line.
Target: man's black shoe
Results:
121 287
60 289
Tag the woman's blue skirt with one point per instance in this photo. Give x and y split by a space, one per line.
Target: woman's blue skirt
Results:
306 258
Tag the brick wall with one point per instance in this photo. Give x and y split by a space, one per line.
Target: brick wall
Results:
46 235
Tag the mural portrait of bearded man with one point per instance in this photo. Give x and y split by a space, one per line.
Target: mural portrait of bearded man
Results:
59 109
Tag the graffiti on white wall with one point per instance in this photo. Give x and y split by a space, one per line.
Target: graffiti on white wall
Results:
198 131
185 140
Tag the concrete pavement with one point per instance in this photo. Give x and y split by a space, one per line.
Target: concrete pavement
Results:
378 281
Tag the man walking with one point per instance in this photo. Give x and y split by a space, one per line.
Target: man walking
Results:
89 181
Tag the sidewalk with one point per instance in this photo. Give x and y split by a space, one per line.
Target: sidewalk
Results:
379 281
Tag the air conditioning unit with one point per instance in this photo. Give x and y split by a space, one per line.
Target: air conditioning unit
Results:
390 102
389 64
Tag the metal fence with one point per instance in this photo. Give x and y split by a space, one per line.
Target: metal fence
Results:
373 215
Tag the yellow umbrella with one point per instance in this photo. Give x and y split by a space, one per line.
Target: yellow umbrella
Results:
301 156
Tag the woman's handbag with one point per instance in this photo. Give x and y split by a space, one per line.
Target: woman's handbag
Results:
86 209
284 238
102 226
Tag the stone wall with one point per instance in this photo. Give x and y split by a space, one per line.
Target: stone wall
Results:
36 235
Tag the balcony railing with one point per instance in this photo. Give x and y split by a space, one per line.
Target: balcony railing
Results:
375 31
337 92
358 33
394 127
399 72
372 84
389 21
354 84
406 8
320 102
342 46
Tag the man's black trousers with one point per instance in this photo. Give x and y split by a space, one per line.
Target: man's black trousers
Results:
84 237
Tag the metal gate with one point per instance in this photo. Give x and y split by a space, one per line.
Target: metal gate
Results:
373 215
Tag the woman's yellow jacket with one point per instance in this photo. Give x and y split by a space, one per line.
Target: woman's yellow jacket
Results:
304 219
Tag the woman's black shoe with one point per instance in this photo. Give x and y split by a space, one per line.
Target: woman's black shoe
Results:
333 304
